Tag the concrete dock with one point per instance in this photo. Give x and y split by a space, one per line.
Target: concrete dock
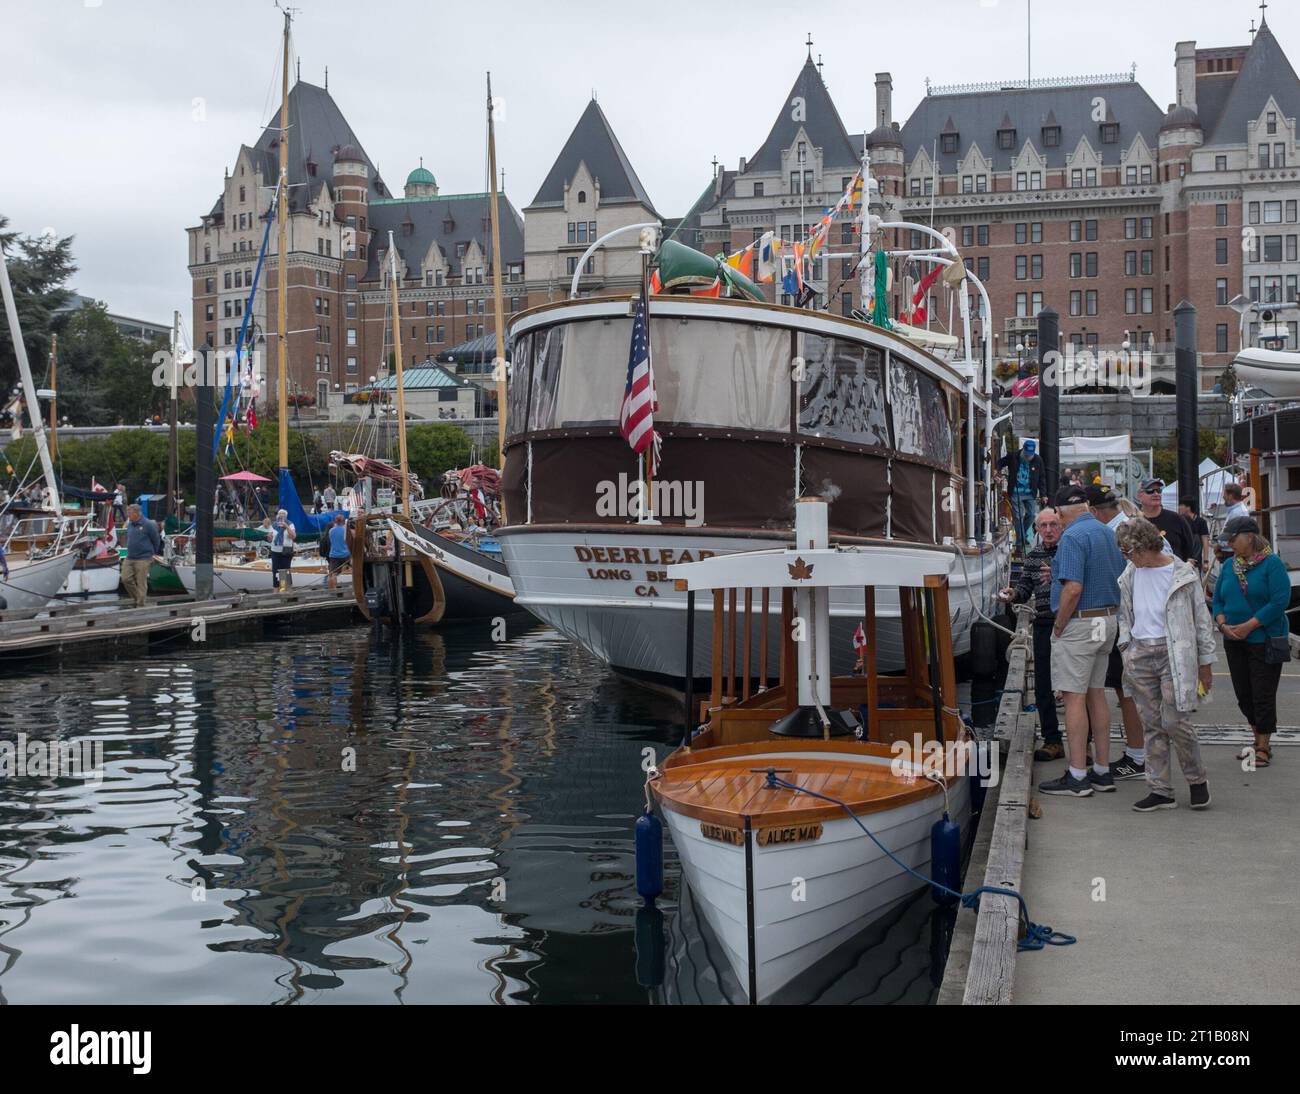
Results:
1175 906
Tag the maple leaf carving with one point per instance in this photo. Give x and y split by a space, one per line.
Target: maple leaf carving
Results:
800 570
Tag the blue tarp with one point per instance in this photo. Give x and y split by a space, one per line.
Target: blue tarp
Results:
302 520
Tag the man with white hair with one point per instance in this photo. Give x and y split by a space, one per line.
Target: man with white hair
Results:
283 534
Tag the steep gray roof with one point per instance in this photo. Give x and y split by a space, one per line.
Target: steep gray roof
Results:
456 218
593 142
977 118
1212 90
821 121
1265 71
317 132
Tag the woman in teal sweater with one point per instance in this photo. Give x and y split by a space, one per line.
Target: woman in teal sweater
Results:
1250 602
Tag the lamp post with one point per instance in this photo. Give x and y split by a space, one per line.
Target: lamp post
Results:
1020 362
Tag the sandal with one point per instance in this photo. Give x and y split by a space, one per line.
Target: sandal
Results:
1263 757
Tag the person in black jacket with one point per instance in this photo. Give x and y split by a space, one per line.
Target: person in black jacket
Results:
1026 486
1174 527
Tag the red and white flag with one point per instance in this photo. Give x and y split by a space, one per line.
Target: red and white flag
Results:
859 639
637 417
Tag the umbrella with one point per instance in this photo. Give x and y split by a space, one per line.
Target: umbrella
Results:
243 476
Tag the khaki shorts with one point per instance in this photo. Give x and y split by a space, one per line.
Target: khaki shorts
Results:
1081 654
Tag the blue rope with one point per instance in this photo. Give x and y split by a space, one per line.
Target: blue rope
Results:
1037 935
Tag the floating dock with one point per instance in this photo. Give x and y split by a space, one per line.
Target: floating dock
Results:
1178 906
65 628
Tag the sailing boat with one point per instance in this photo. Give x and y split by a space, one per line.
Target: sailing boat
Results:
35 573
402 571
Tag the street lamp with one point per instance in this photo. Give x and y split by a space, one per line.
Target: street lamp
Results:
1020 363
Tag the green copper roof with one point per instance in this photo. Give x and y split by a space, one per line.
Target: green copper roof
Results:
421 175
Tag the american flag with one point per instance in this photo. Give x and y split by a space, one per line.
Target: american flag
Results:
637 418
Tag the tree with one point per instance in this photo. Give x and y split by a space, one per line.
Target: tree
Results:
38 270
105 377
434 448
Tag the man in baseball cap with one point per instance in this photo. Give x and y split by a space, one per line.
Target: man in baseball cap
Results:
1173 526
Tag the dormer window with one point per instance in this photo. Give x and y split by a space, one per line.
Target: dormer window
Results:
1272 123
948 142
582 197
1109 132
1051 136
448 226
1006 138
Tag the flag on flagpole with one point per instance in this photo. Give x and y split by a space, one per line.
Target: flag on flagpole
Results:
859 639
766 268
636 419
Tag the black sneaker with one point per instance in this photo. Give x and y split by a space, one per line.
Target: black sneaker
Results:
1067 785
1103 784
1152 802
1127 768
1200 795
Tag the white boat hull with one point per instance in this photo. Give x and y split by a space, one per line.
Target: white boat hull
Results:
31 585
1275 371
809 897
633 620
252 577
88 580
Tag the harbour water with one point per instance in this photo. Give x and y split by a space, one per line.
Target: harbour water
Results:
336 817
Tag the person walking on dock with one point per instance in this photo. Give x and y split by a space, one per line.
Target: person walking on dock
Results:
283 534
340 548
1132 765
1034 585
143 542
1250 602
1027 482
1085 598
1167 643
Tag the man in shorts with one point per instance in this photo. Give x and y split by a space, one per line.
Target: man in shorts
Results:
1085 598
340 548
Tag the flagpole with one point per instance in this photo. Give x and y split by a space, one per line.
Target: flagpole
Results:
648 499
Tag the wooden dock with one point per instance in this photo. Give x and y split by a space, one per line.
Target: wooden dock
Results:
67 628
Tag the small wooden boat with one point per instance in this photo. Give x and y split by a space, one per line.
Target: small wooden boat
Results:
254 576
91 575
767 802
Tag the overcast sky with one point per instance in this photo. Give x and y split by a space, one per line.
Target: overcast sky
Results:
103 140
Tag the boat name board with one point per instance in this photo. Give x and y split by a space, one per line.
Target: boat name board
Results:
617 561
764 837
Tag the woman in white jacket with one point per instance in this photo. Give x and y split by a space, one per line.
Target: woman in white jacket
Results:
1166 638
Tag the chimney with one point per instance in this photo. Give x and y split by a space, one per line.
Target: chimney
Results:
884 99
742 165
1185 73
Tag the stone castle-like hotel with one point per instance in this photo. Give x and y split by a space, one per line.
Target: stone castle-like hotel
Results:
1081 194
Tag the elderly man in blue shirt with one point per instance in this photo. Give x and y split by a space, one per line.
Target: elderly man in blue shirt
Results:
1085 598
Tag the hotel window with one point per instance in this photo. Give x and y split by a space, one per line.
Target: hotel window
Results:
1252 212
440 333
351 282
1022 267
968 235
982 269
967 184
1291 249
1273 289
1051 136
982 235
1130 176
1147 225
1076 231
1220 163
1290 211
1147 302
1076 264
226 309
1076 302
1090 264
758 189
1272 248
948 142
1109 133
927 186
428 335
1253 250
794 182
1022 180
1220 215
352 364
916 187
209 313
1036 233
1221 338
1130 301
1022 305
352 336
1076 178
1148 257
1253 289
1272 212
1090 302
227 279
846 303
1270 122
1035 303
1146 173
210 284
1006 138
1221 291
1130 263
1263 155
514 303
1022 233
1130 228
442 307
981 184
1035 180
1291 290
1036 267
1090 230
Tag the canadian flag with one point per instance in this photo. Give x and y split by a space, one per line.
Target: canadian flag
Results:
859 639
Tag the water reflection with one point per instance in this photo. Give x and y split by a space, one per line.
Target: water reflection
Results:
337 817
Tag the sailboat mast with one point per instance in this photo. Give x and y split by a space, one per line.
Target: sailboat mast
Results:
173 500
54 399
282 271
29 388
401 391
498 310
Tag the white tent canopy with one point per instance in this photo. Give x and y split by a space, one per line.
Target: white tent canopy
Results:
1211 486
1090 448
